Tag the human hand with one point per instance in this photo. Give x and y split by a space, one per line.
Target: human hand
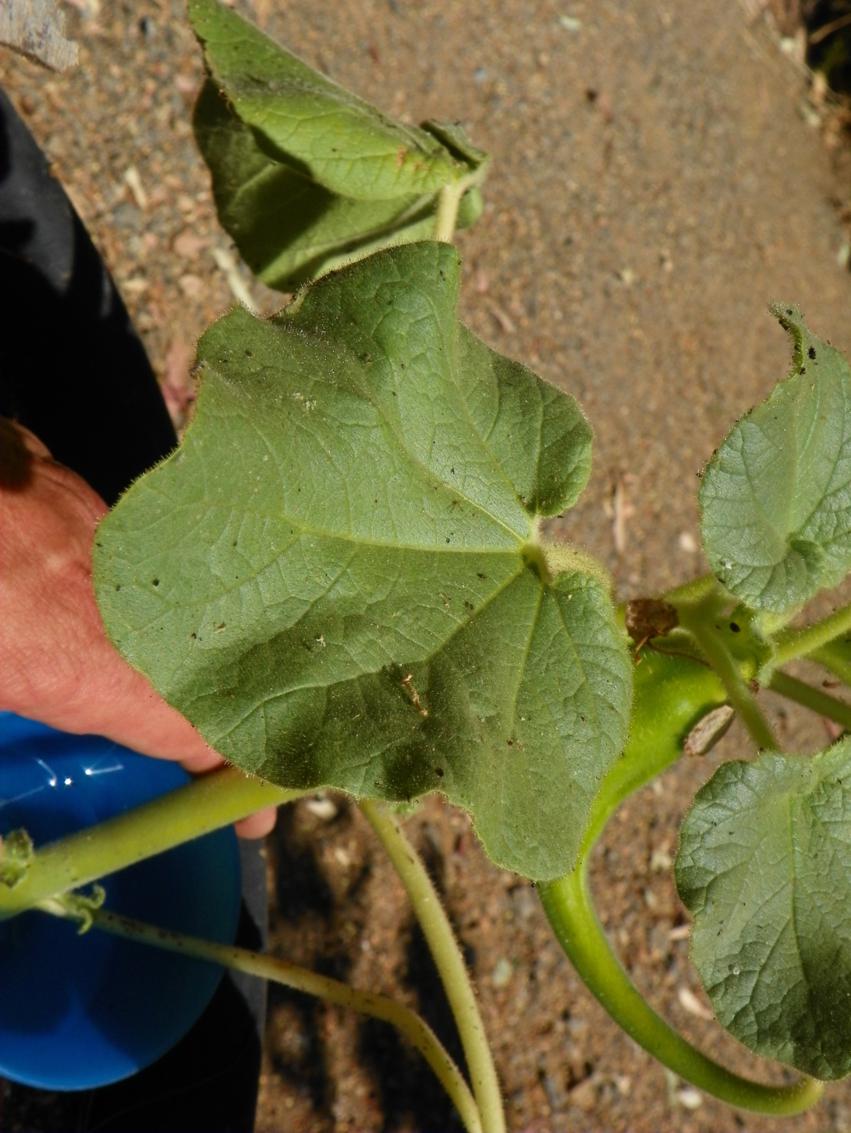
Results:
56 662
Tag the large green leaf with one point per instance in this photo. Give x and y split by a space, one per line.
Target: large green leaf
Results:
776 496
305 174
338 576
765 868
287 227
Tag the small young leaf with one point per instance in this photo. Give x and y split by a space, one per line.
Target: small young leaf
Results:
765 868
288 228
337 579
305 174
776 496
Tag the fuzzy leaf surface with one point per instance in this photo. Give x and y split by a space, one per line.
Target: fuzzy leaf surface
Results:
765 868
335 577
776 496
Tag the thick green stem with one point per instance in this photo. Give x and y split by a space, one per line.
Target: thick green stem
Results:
792 643
207 803
698 619
671 695
415 1029
569 907
812 698
447 957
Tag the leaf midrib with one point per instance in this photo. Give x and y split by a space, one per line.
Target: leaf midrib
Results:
427 660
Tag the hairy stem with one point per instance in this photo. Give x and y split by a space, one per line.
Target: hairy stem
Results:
447 957
792 643
407 1022
836 658
694 591
207 803
698 619
570 909
813 698
688 690
448 203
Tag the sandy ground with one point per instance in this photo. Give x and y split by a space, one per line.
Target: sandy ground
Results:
657 180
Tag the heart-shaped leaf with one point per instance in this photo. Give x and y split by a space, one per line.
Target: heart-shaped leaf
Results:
765 868
776 496
306 175
338 576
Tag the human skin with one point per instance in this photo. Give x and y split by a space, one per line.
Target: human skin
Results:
56 662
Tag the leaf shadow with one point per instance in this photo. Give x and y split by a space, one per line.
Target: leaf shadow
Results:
409 1093
300 884
405 1094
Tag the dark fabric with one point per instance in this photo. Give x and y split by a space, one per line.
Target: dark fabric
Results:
74 372
71 366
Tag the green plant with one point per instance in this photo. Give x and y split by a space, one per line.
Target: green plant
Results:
343 577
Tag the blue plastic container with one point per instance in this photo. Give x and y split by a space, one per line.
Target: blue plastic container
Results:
84 1011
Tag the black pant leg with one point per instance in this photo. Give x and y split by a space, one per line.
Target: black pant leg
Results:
72 368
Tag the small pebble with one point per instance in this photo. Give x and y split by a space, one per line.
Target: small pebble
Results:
584 1096
692 1004
322 807
502 973
690 1099
192 286
570 23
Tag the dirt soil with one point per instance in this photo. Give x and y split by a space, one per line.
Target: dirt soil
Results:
658 178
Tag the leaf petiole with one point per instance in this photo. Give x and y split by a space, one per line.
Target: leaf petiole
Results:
698 618
448 960
448 204
207 803
831 707
671 695
569 907
693 591
792 643
407 1022
835 658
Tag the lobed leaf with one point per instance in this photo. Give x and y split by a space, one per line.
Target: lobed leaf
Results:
306 175
763 867
776 496
337 576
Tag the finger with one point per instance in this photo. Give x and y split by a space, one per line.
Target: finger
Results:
258 825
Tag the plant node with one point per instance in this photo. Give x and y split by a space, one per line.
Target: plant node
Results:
16 855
